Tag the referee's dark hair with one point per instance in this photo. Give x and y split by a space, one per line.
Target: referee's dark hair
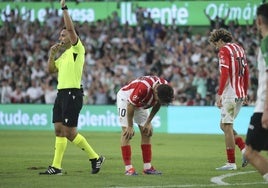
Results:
76 30
165 93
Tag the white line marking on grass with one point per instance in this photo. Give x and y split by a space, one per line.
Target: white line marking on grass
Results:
196 185
219 179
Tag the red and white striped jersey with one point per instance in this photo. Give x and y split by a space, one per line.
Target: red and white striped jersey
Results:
234 75
140 91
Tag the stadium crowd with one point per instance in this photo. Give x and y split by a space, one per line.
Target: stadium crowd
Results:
116 54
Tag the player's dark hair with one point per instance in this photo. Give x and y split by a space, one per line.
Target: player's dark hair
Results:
262 11
165 93
220 34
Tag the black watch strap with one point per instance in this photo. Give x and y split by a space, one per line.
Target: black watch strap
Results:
64 8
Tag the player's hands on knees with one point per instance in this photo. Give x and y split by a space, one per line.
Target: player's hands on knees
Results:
129 133
147 130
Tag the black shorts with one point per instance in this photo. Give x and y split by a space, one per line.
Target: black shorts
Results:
257 137
67 106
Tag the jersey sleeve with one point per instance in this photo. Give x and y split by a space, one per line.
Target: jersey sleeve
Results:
79 47
137 95
163 81
224 62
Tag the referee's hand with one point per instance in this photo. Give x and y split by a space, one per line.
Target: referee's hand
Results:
55 48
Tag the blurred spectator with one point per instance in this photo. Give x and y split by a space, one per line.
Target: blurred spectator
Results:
212 82
209 100
218 22
37 71
200 82
5 92
117 53
199 100
18 95
101 96
7 73
34 93
50 92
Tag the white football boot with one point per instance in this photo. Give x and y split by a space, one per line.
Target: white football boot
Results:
228 166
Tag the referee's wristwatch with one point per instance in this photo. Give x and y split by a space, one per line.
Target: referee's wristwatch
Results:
64 8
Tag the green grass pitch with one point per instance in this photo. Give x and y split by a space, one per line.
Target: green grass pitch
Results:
186 160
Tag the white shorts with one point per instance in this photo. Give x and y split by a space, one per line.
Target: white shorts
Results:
230 109
140 114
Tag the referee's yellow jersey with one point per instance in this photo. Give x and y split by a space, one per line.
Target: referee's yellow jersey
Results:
70 67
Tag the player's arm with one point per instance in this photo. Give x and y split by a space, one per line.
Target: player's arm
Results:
246 76
154 110
222 84
147 128
224 74
69 23
208 17
265 112
224 71
246 84
264 49
227 15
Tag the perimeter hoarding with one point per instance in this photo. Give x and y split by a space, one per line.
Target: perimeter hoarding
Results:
204 120
184 13
92 118
171 119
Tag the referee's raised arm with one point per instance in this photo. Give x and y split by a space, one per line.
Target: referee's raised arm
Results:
68 23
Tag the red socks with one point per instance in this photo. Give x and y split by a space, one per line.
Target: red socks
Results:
231 152
146 153
126 154
230 155
239 142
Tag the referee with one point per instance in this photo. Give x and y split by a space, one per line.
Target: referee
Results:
67 58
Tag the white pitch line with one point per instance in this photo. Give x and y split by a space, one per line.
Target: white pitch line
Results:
219 179
195 185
